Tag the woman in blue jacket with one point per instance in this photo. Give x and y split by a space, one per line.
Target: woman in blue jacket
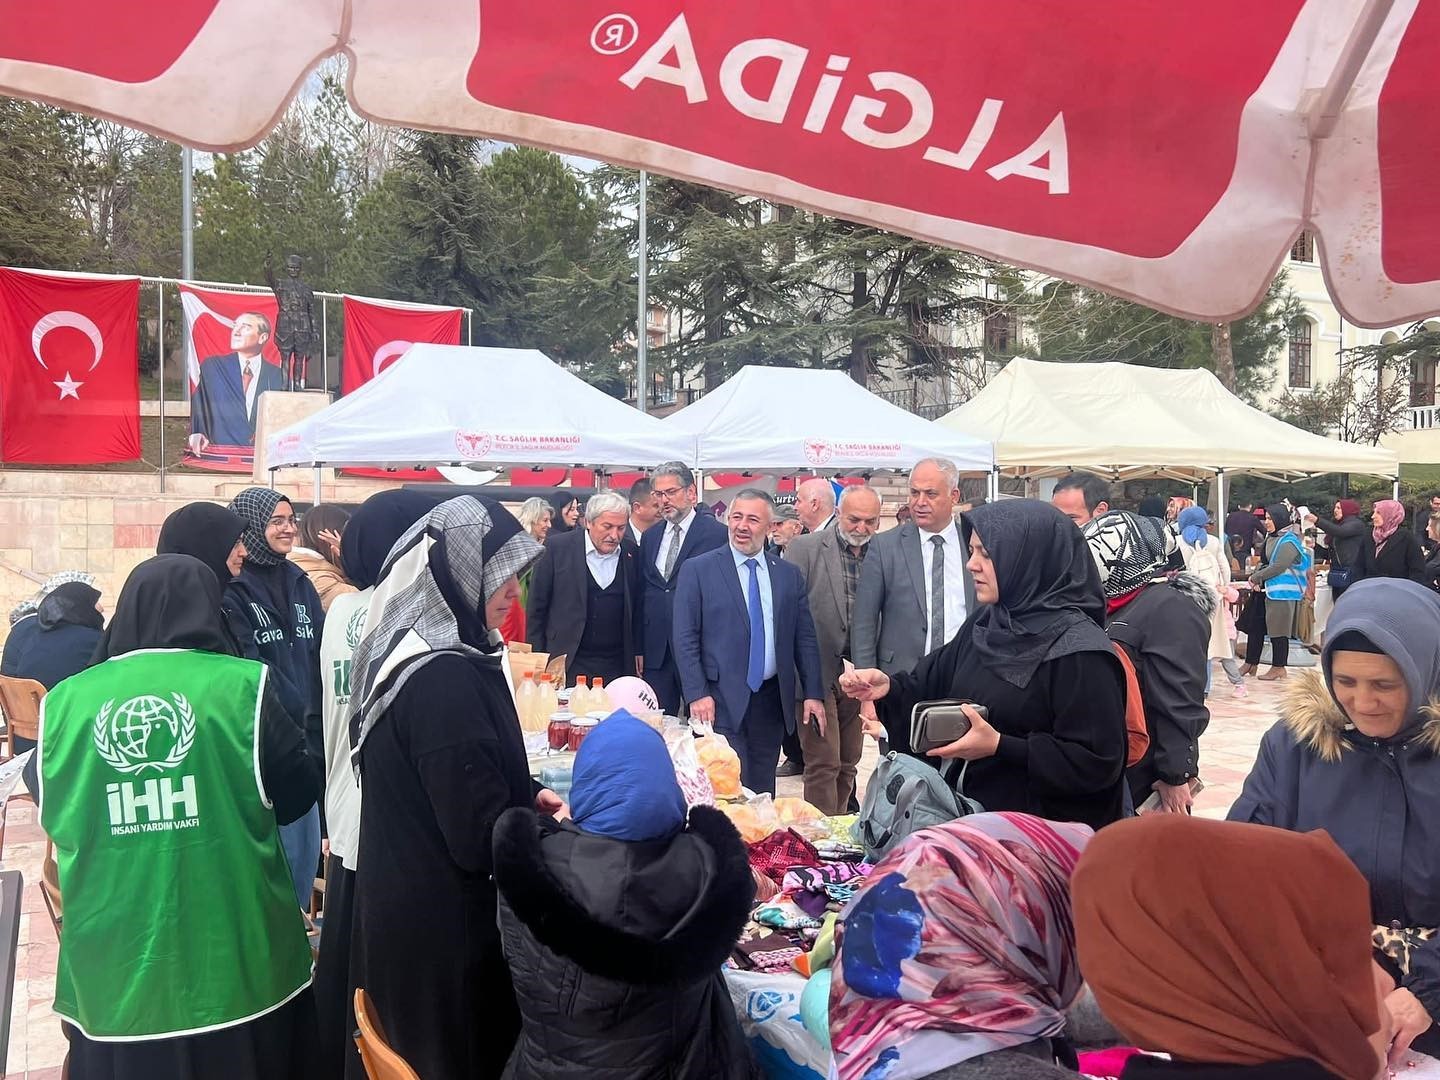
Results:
1356 755
285 621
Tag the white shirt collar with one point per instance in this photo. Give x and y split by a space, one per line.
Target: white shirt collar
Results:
950 533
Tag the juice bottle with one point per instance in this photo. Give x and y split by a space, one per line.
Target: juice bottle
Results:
599 699
525 699
545 703
580 696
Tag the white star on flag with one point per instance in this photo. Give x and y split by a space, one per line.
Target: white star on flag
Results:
69 387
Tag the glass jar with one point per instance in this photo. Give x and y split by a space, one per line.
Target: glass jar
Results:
579 728
558 732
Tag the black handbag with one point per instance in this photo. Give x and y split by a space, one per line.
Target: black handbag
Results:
1340 578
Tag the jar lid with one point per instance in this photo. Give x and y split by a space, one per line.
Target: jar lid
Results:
584 721
599 714
563 714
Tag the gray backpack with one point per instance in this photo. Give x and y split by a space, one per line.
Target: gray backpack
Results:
904 796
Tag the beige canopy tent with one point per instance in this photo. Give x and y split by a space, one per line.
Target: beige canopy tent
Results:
1127 422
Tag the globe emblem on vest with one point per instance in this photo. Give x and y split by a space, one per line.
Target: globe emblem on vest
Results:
355 628
146 732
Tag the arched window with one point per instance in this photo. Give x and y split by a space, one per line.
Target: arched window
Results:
1303 249
1422 381
1301 331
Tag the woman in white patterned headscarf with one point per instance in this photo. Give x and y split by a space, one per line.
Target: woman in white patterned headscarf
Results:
440 756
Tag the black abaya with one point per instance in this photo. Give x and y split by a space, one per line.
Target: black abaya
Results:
441 765
1062 736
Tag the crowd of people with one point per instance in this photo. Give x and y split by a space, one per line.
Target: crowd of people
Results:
268 680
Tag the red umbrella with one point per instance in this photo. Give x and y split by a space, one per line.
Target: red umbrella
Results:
1168 152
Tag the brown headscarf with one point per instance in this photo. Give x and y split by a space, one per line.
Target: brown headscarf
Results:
1224 943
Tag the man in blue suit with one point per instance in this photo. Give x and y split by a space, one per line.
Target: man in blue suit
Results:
663 551
743 633
222 409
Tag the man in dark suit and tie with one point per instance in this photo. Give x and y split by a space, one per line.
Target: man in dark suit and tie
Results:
582 593
681 534
222 408
745 644
831 561
914 590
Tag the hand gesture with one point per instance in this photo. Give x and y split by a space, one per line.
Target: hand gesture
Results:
702 710
548 803
981 741
1410 1022
1174 798
870 723
865 684
814 709
331 537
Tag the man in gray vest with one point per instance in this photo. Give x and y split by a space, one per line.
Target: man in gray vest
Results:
914 589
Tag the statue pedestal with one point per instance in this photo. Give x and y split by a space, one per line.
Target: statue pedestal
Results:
275 411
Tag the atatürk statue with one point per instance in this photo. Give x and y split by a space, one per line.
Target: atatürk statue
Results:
296 334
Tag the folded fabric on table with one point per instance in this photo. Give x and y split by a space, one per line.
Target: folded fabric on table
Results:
782 851
772 952
786 915
816 878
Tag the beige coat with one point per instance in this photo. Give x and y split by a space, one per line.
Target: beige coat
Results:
328 579
1210 563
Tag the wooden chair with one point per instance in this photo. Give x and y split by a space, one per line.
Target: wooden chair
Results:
50 888
20 705
381 1062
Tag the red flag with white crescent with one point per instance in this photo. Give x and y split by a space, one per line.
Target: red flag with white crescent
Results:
70 379
378 333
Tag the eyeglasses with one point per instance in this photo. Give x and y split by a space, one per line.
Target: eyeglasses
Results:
282 522
666 493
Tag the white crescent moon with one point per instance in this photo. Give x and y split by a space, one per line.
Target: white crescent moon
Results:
75 321
388 351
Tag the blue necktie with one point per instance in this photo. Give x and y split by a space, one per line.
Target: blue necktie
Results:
755 672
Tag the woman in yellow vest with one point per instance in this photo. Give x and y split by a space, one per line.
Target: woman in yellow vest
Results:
165 772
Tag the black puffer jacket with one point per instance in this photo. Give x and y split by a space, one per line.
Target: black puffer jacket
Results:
615 949
1166 633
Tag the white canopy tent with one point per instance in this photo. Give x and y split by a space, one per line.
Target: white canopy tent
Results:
767 418
1126 421
460 405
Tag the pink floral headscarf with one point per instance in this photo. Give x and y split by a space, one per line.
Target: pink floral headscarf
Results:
1391 514
960 943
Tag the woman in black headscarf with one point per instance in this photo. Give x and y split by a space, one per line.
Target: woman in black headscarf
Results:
285 623
253 1017
67 628
216 536
1036 655
1279 586
567 512
440 757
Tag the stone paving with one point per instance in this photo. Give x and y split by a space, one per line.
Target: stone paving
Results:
37 1046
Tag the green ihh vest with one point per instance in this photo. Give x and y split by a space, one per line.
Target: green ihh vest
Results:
180 914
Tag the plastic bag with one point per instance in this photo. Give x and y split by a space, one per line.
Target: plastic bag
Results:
768 1007
722 763
755 818
689 773
793 811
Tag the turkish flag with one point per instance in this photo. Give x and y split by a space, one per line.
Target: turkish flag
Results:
70 368
377 334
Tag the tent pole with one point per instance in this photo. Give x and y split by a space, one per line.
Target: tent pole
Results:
160 292
1220 505
315 499
1396 489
